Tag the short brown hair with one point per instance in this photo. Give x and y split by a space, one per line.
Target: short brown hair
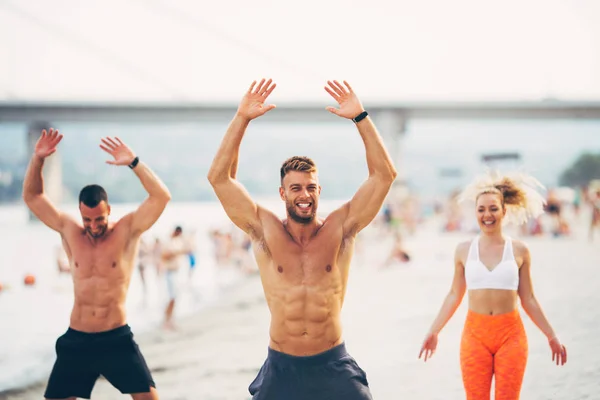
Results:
92 195
297 163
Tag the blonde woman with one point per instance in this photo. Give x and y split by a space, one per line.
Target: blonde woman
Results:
496 272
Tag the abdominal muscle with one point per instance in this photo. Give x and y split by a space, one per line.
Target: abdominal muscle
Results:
305 320
492 301
99 304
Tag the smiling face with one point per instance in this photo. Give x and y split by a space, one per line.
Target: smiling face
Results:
95 219
490 212
300 191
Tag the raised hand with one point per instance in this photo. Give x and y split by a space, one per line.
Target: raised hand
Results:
429 345
253 103
119 150
559 351
46 144
350 106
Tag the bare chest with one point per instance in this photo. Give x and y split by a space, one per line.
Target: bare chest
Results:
317 264
109 258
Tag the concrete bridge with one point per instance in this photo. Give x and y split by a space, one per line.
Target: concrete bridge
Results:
391 118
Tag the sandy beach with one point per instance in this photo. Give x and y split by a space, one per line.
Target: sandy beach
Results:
217 352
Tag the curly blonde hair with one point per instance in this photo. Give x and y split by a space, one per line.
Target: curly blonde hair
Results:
518 193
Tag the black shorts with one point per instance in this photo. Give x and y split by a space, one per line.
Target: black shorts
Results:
82 357
330 375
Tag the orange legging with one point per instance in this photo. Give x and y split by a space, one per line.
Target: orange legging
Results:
493 345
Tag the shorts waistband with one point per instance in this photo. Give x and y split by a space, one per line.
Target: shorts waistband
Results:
120 331
333 354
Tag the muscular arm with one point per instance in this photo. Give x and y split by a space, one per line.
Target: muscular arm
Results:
528 300
158 194
369 198
158 197
456 294
236 201
35 198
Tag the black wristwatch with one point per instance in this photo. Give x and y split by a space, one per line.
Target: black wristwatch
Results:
360 117
134 163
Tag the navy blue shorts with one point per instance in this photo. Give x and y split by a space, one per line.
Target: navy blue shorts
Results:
330 375
82 357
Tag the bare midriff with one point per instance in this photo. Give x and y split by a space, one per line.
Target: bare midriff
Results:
99 304
304 285
101 271
305 319
493 301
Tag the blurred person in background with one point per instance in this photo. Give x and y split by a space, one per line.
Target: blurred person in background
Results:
594 200
144 260
174 257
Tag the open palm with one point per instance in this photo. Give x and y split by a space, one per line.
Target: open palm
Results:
46 144
349 103
253 103
119 150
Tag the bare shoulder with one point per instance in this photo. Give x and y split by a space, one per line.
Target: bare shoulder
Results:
266 215
71 226
334 227
267 233
463 247
336 219
70 234
338 215
462 251
520 249
124 223
268 222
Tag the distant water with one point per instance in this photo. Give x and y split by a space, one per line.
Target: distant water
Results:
546 149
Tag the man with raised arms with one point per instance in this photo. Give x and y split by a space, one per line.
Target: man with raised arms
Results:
303 260
101 255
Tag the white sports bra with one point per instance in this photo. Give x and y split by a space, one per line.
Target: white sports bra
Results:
504 276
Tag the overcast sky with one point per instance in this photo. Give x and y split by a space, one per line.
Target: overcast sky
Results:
211 50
